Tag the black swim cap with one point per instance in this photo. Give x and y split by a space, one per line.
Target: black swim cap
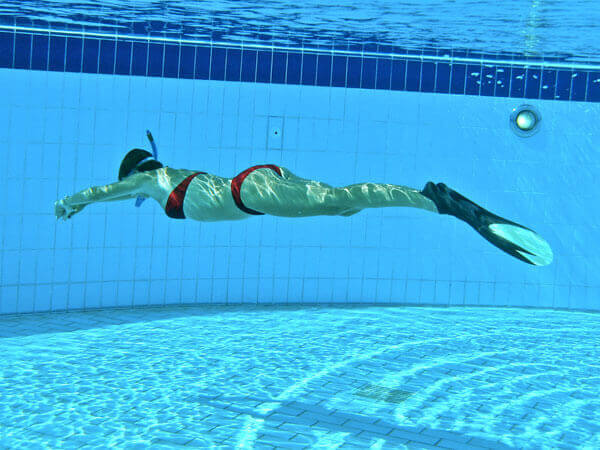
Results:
132 160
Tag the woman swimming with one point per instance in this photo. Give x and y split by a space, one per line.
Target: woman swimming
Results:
274 190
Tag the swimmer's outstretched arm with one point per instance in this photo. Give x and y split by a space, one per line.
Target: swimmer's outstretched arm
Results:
130 187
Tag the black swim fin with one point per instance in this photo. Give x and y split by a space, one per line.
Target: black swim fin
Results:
514 239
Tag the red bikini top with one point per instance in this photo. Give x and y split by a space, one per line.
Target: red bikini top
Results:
174 206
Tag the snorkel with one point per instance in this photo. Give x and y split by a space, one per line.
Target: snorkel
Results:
140 200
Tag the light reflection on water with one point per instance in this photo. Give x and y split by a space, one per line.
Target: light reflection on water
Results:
529 28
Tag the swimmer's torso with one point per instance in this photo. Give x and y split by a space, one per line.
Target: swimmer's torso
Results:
208 197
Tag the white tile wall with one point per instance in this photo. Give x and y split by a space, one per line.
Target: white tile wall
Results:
61 133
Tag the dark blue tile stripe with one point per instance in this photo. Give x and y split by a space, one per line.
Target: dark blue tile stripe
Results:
39 52
442 78
277 65
74 54
309 69
294 66
91 55
22 58
217 63
324 70
234 65
187 61
7 44
156 54
123 58
55 52
58 50
107 56
249 65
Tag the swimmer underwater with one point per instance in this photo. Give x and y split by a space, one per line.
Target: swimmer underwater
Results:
274 190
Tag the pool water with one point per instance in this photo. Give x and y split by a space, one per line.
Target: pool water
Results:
320 377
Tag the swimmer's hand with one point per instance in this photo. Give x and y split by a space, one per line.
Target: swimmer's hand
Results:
64 210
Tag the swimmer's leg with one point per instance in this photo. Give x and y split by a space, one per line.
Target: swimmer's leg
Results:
380 195
357 197
292 196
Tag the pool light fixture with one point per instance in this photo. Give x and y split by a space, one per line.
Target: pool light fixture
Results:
525 120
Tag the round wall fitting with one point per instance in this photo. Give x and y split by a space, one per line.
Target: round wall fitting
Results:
525 120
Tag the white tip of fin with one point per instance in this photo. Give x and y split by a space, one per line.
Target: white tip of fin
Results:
541 253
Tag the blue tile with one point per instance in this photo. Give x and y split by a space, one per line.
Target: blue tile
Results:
187 60
488 80
593 90
457 83
473 82
155 59
502 81
398 74
578 85
338 71
442 78
249 65
22 51
532 84
263 67
91 49
123 59
171 64
369 68
354 72
427 77
384 73
413 75
7 43
293 68
234 64
279 67
58 47
217 63
563 85
309 69
202 63
74 54
548 84
107 56
39 52
517 82
139 58
324 70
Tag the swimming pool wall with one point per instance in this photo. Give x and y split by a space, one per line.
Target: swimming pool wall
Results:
72 107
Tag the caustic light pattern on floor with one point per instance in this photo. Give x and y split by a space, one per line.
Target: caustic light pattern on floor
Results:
327 377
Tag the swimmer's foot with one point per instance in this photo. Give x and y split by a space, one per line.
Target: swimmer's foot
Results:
514 239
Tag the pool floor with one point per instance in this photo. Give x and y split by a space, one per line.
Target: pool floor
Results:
300 377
